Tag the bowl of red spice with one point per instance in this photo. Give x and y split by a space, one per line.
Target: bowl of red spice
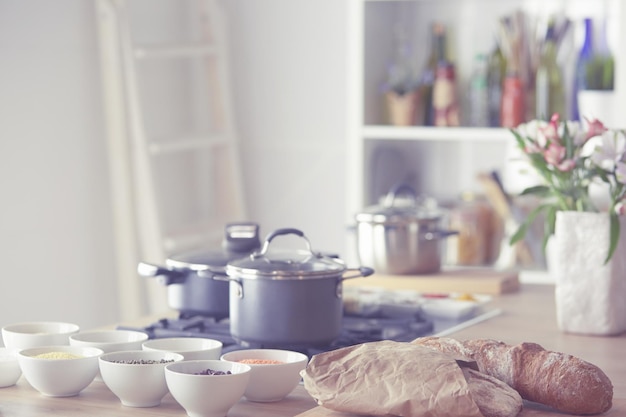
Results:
274 373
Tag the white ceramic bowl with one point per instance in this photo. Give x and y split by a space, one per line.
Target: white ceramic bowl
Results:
110 340
192 348
37 333
270 382
10 370
139 384
207 395
61 377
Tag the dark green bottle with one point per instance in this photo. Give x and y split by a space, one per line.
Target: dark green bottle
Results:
549 86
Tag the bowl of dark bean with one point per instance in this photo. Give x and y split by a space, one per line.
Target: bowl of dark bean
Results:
274 374
137 377
207 388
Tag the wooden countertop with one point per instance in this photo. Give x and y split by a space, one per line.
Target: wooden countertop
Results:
528 316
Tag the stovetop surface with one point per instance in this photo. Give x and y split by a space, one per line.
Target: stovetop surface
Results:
355 329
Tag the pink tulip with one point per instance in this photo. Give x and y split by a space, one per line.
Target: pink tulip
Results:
554 154
620 208
566 165
596 127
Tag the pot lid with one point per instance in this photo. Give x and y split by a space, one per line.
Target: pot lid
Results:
240 239
285 264
401 205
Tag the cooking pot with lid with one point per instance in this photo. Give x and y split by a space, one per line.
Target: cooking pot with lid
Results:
191 288
403 235
283 297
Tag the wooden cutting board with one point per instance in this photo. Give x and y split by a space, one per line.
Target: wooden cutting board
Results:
530 410
472 280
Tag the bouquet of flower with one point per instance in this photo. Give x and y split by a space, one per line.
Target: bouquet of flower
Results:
569 159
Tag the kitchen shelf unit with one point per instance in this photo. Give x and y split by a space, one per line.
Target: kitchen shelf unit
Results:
441 162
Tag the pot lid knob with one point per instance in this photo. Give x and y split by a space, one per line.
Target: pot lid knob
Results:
241 237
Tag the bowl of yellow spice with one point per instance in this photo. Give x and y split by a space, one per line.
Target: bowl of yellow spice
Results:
59 371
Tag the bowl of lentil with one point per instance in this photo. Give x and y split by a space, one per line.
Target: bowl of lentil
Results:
10 370
192 348
274 372
59 371
207 388
137 377
37 333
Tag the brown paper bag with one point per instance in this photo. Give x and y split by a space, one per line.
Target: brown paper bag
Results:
389 378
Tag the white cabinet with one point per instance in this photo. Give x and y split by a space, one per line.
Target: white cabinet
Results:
440 162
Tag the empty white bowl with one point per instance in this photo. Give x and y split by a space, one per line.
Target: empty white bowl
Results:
37 333
10 370
270 381
137 377
204 395
66 375
192 348
110 340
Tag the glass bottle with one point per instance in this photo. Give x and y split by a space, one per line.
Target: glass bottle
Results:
549 90
478 110
513 100
445 103
496 70
584 57
427 81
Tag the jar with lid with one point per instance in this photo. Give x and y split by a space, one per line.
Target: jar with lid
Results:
477 241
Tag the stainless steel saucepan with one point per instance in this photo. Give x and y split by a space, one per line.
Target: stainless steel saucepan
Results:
403 235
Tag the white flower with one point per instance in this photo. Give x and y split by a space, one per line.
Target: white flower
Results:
575 130
534 129
610 151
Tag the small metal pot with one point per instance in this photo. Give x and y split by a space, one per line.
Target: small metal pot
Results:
191 288
402 236
284 298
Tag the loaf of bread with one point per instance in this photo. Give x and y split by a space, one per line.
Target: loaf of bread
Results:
493 397
558 380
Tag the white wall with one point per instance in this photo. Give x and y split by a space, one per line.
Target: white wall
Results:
56 242
55 221
290 97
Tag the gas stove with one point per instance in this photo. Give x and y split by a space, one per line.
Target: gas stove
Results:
355 329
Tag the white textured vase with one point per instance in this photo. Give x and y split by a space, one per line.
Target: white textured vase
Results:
590 296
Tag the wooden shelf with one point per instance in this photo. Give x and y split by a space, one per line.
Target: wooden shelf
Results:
382 132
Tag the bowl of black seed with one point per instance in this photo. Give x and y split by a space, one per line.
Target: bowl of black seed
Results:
207 388
137 377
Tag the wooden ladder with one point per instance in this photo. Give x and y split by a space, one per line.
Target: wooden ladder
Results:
174 152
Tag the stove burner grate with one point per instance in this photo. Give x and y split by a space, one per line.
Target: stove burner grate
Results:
355 330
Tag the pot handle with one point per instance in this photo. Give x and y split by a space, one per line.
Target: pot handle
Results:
363 271
281 232
165 276
238 285
398 190
439 234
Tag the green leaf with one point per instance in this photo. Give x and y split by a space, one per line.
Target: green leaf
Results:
519 234
523 228
537 190
614 235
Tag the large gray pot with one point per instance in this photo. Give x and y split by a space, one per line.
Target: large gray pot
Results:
402 235
284 298
191 289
